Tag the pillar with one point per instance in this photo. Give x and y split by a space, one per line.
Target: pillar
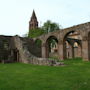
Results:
85 53
71 51
44 50
79 51
73 56
60 50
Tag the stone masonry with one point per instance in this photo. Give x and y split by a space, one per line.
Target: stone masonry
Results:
61 35
19 49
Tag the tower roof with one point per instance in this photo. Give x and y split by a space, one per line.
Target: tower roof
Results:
33 23
33 15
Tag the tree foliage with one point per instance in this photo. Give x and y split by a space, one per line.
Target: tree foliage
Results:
50 26
38 42
35 32
47 27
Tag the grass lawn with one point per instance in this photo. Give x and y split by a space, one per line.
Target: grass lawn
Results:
75 75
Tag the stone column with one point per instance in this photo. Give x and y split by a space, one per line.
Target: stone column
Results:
60 50
44 50
79 51
71 51
85 53
73 55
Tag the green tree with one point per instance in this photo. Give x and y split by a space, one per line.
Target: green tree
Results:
50 26
38 42
35 32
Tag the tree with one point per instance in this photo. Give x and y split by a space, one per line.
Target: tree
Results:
35 32
50 26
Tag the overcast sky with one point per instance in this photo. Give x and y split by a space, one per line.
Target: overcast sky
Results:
15 14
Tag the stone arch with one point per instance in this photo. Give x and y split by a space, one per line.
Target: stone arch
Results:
51 35
71 36
51 44
61 37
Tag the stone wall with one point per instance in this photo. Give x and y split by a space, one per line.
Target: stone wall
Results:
82 29
26 56
6 49
18 49
32 47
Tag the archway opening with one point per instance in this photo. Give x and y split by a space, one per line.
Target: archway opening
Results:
72 45
16 55
52 47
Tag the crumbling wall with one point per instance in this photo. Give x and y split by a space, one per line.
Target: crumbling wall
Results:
26 56
6 52
32 47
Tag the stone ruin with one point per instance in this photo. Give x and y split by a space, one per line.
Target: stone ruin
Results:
23 49
71 42
19 49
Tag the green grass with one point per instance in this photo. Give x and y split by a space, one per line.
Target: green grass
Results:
75 75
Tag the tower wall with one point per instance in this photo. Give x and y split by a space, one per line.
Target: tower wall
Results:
33 23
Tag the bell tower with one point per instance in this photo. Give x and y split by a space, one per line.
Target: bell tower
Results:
33 23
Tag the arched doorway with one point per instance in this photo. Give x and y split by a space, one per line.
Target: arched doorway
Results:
16 55
70 45
52 47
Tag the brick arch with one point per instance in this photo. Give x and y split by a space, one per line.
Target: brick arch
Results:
70 51
51 35
47 44
82 29
65 35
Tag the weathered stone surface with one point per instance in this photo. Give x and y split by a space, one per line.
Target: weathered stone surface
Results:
83 50
19 49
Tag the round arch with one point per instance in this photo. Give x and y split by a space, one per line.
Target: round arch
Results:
71 36
52 46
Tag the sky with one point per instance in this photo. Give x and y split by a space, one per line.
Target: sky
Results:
15 14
